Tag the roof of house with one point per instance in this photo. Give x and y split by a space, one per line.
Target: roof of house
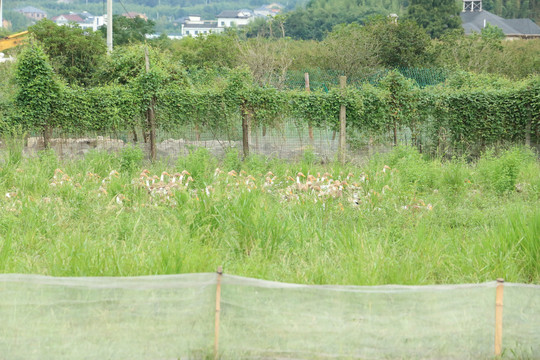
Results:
244 14
200 26
133 15
475 21
69 17
30 9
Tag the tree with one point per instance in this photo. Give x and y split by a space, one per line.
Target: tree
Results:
435 16
213 50
18 21
38 90
129 30
382 42
402 43
267 59
352 50
75 54
126 64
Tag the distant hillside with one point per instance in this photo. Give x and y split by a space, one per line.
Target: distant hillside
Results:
164 12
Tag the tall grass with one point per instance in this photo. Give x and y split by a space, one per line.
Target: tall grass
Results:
411 220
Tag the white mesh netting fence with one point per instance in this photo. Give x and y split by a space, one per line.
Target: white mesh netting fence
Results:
173 317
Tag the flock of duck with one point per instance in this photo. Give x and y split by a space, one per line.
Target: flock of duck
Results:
164 188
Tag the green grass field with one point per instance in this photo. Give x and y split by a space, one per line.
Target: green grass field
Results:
398 219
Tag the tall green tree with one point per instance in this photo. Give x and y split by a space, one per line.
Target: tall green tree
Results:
38 90
75 54
129 30
435 16
383 42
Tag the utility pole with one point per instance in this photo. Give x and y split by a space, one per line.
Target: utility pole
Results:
1 18
109 26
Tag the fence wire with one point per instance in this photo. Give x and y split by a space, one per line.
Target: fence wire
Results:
291 140
174 317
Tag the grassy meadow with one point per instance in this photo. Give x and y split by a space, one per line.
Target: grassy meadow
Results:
399 218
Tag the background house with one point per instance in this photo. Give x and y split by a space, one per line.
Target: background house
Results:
32 12
474 18
228 18
85 20
193 25
269 10
66 19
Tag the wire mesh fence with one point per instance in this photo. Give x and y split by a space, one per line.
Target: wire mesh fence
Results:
290 140
326 79
175 317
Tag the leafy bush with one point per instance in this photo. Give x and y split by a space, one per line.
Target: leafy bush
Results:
131 158
199 163
500 173
412 168
231 161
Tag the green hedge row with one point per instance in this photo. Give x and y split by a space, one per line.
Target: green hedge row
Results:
465 115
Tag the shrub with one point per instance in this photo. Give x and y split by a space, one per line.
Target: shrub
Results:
131 159
500 173
200 163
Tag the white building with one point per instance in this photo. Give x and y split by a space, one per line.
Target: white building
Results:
230 18
85 20
193 25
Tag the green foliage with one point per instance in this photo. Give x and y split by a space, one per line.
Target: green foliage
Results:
199 163
127 63
414 170
500 173
129 30
39 90
493 32
402 43
131 158
18 21
436 17
75 54
213 50
464 115
487 54
482 115
319 17
13 140
232 160
401 98
106 108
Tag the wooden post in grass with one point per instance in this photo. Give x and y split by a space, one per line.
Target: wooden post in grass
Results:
150 115
342 124
499 317
246 120
310 127
218 311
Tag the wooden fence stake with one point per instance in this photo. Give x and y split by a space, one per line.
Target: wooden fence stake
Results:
246 120
342 124
310 127
218 311
150 114
499 317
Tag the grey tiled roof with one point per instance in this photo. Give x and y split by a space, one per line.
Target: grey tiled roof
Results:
235 13
200 26
228 14
30 9
474 22
524 26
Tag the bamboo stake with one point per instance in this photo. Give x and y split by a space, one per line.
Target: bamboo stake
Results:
150 113
310 127
218 311
499 317
245 130
342 124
